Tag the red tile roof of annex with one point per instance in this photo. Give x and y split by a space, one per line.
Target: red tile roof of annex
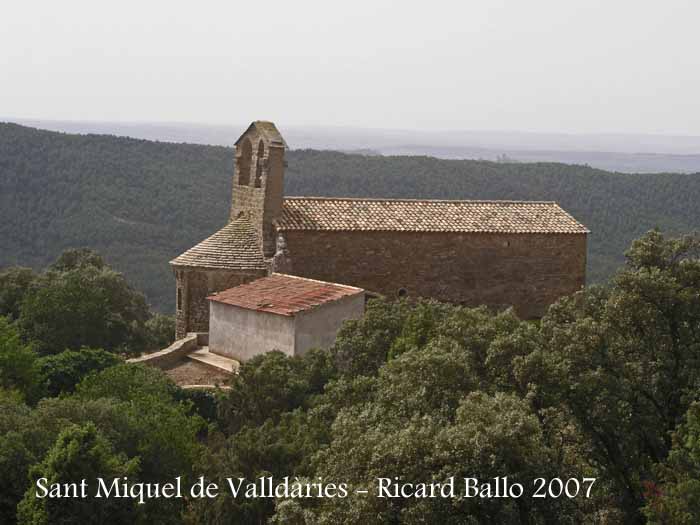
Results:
284 294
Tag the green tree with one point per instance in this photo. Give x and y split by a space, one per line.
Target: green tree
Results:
82 302
161 331
16 455
270 384
269 429
426 381
80 452
18 362
165 429
60 373
625 363
487 437
128 382
675 497
15 460
77 257
135 409
275 448
14 283
420 324
364 345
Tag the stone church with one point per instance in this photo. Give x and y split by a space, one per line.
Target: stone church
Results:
496 253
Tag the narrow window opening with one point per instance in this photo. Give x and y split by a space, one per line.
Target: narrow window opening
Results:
179 299
259 163
244 161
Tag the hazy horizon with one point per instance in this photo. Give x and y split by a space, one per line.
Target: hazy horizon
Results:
242 125
579 67
624 153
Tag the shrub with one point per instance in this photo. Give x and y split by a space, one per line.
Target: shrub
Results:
61 373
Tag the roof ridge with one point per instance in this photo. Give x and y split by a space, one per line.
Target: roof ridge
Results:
373 199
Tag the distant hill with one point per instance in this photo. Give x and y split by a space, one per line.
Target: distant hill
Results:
140 203
628 153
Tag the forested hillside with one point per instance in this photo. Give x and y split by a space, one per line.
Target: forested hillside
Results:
140 203
594 412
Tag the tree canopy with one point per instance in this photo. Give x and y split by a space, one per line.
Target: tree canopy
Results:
605 386
80 301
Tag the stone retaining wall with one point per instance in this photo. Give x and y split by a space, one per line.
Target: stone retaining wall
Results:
175 352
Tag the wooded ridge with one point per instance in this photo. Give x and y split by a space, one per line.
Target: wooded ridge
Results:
141 203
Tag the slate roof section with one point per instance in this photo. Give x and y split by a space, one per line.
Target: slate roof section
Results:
266 129
236 246
284 294
340 214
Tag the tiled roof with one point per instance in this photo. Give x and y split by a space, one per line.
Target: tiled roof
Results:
335 214
284 294
236 246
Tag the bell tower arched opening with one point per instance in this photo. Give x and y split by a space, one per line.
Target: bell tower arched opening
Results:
243 162
259 161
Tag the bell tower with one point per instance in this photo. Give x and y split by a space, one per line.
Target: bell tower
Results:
258 179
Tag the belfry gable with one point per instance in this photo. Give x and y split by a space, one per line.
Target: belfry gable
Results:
265 130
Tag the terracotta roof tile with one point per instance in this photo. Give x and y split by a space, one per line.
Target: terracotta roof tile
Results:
336 214
236 246
284 294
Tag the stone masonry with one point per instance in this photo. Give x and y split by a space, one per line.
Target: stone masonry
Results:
528 272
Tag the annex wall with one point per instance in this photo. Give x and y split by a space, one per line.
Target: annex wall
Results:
241 334
527 271
318 328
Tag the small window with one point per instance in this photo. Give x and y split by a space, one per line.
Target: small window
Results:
402 292
179 299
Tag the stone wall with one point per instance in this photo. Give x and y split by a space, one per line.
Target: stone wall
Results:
527 271
195 285
174 353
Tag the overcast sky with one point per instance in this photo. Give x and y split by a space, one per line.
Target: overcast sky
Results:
531 65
